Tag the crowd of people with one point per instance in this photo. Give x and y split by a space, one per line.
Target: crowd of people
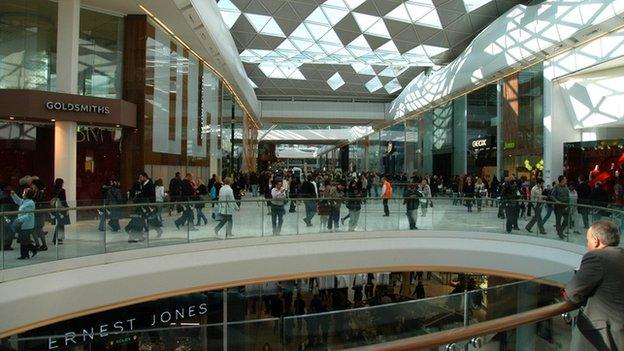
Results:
322 194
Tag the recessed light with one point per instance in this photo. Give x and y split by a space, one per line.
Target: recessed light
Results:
53 120
117 125
11 118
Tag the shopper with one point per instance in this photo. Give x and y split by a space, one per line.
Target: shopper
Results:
561 196
386 192
584 194
510 196
112 198
188 194
278 196
60 216
597 288
201 196
425 190
354 203
335 194
411 201
24 224
324 206
469 192
226 208
537 198
309 194
39 236
480 190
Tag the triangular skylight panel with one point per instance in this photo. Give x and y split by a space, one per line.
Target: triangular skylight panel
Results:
392 86
272 28
362 68
364 21
335 81
353 4
267 68
334 15
387 72
260 52
301 32
248 56
317 16
472 5
423 14
251 82
330 48
335 3
388 47
257 21
374 84
302 44
229 18
360 42
317 31
297 75
227 5
399 14
378 29
331 38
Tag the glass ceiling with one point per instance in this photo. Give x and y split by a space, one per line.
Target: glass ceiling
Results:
314 41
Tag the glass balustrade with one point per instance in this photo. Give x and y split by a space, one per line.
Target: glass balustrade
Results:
214 320
91 229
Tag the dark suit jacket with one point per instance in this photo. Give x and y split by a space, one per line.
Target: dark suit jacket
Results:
599 285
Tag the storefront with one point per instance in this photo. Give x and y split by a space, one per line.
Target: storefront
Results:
601 160
28 136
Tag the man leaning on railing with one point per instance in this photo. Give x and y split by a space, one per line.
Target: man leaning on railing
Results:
598 286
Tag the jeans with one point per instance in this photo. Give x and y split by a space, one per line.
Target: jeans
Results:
334 218
310 210
254 190
277 218
354 216
537 218
385 206
561 213
511 213
585 215
186 217
549 210
411 218
201 215
226 219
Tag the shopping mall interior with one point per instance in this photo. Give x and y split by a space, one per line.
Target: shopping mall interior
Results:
423 174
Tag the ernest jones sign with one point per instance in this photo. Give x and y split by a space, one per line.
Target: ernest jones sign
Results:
70 107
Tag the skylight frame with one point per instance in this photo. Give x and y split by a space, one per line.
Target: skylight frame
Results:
335 81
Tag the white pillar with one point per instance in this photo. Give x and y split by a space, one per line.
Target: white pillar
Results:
67 82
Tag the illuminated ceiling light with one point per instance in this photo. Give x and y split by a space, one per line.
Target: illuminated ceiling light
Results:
374 84
335 81
472 5
392 86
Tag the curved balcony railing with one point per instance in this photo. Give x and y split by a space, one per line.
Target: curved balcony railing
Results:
501 314
99 229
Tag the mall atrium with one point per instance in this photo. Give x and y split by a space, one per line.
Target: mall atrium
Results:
311 175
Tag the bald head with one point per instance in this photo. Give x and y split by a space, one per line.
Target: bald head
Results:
601 234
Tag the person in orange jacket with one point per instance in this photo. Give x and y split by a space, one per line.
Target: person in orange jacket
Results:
386 193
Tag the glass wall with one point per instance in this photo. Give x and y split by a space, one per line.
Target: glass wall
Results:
522 123
28 34
482 121
100 54
28 44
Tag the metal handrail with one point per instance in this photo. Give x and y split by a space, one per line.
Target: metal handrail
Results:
468 332
345 198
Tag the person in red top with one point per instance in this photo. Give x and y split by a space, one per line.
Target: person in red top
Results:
386 193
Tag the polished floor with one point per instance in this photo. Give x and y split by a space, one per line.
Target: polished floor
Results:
253 220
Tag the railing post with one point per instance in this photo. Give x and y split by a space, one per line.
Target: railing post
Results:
297 212
466 311
225 319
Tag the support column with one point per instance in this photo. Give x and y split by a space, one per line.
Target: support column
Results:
65 132
500 145
460 157
427 150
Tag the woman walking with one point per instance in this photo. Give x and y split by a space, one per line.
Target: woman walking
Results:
226 207
24 224
202 192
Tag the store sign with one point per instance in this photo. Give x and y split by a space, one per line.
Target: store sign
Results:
70 107
481 143
103 330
